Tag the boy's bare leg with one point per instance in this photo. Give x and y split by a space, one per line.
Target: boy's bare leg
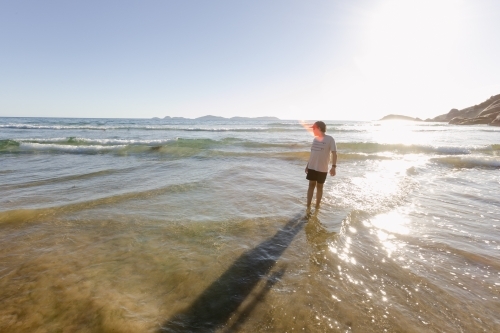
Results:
310 192
319 194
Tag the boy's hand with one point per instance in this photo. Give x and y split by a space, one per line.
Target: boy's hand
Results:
307 170
333 171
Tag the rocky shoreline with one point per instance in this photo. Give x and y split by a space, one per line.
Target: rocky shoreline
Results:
487 112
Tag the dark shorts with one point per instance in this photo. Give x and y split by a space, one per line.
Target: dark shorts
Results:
320 177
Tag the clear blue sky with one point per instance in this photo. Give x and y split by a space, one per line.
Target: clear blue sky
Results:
291 59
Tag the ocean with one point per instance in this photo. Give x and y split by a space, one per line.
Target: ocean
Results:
144 225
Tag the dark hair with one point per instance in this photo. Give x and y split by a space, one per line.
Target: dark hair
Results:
321 125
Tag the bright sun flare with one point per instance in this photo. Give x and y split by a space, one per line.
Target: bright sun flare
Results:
410 35
406 51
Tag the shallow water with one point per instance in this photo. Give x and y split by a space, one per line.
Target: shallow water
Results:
158 226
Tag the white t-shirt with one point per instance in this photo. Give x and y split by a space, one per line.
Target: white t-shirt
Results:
320 153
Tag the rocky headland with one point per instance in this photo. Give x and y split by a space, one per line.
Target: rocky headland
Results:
487 112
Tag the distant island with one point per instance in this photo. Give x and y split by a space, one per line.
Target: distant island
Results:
400 117
212 118
487 112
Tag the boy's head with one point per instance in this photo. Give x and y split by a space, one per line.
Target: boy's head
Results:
320 125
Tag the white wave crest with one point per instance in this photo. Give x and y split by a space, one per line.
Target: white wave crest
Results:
75 141
468 161
68 148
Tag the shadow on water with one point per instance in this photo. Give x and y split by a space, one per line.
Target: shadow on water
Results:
215 306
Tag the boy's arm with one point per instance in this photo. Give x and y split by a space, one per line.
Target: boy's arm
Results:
334 163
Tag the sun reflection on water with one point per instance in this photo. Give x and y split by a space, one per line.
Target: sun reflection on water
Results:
393 222
386 226
398 132
383 186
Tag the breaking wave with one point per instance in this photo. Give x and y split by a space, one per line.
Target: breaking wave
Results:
271 128
370 147
299 151
469 161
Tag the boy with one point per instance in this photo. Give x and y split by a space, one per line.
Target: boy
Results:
317 167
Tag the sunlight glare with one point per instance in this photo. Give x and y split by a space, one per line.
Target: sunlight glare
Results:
387 225
393 222
408 47
410 36
397 132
